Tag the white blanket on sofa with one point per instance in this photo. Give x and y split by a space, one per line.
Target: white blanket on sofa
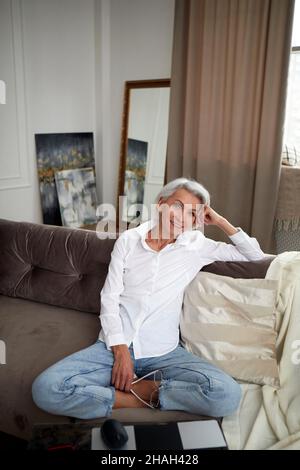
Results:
269 418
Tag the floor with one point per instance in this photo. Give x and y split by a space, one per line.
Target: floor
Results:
8 442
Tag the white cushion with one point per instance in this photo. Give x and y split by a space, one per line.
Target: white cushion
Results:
231 323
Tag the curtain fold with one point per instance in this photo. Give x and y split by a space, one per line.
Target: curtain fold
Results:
228 94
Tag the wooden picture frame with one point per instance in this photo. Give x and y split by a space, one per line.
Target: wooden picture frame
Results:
131 85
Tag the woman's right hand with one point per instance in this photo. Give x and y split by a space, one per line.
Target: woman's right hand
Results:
123 368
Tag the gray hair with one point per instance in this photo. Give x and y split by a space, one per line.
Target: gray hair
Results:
189 184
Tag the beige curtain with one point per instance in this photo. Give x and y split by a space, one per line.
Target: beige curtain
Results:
228 91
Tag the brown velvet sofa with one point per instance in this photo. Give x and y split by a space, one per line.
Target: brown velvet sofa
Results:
50 282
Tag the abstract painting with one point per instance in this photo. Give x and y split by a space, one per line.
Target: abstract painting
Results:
57 152
76 190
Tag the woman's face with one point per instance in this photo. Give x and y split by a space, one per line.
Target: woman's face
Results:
180 212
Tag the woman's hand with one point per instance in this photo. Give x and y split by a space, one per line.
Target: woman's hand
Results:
211 217
123 368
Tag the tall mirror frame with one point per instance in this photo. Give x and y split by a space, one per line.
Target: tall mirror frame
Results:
129 86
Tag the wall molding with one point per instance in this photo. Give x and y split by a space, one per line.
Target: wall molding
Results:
21 178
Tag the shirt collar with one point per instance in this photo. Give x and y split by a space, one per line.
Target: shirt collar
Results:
182 239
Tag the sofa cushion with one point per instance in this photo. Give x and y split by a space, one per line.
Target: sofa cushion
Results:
36 336
241 269
231 323
54 265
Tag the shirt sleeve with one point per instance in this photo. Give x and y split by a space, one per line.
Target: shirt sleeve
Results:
110 319
245 248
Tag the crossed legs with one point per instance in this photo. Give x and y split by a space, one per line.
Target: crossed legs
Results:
80 385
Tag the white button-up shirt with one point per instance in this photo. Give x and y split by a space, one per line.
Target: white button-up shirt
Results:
141 299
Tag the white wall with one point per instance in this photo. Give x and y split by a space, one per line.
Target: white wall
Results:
72 59
57 47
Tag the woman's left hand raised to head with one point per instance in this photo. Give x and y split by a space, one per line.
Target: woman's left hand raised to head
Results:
211 217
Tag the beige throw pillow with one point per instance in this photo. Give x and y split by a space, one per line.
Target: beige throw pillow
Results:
231 323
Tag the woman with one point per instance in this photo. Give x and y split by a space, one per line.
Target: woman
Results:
138 360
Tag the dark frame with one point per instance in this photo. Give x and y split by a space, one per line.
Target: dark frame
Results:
130 85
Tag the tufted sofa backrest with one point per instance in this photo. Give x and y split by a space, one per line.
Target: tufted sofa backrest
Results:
54 265
67 267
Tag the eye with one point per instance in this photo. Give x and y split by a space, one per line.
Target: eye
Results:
177 206
190 212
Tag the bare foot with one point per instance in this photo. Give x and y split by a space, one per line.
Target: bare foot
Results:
127 400
144 388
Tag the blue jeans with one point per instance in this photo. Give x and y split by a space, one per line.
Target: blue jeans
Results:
80 384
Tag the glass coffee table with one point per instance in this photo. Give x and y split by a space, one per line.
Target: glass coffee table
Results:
182 435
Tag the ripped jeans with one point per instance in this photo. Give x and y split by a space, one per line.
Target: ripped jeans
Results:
80 384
